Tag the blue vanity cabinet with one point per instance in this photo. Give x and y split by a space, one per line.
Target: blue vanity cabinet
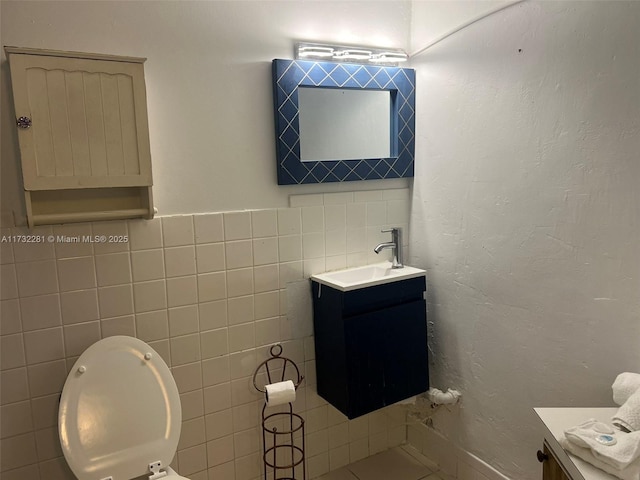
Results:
371 345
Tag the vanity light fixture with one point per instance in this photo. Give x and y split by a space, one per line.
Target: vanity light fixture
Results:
341 53
389 57
315 51
352 54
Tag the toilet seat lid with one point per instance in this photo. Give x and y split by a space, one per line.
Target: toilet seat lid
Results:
119 411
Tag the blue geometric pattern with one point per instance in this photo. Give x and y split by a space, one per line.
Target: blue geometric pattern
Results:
288 75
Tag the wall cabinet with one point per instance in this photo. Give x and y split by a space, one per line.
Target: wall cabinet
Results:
371 345
83 133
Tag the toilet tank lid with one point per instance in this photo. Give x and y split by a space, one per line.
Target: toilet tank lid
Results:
119 411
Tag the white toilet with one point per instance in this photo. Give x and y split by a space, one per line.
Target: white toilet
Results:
120 414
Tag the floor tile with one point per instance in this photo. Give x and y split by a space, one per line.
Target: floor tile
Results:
433 466
340 474
438 476
395 463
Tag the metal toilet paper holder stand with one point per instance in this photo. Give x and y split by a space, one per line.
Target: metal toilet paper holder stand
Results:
282 431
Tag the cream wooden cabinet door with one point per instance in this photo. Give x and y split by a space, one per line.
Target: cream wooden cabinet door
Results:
83 134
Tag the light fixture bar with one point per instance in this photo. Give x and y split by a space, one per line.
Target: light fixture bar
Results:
352 54
315 51
342 53
389 57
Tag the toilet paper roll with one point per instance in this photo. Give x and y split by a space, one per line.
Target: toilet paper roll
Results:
280 393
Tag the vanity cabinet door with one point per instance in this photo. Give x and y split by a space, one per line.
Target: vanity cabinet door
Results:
370 345
386 356
551 469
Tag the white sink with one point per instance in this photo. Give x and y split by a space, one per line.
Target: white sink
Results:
367 276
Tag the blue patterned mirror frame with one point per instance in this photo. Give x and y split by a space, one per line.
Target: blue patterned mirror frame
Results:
288 75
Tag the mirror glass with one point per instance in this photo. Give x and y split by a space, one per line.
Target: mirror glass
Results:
344 124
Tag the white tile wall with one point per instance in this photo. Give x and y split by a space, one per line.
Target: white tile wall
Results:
145 235
8 282
239 254
264 223
240 310
112 269
44 345
147 265
212 315
183 320
180 261
115 301
178 231
208 228
209 293
68 245
152 326
239 282
210 257
36 278
265 250
24 252
118 326
237 225
76 273
212 286
78 337
111 229
10 315
266 278
182 291
290 248
150 296
40 312
289 221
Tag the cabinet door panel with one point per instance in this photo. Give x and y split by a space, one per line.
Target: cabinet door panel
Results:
386 356
112 125
551 469
95 124
406 371
59 118
128 123
365 363
39 145
78 123
89 127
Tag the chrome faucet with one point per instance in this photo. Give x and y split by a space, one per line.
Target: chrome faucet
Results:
395 244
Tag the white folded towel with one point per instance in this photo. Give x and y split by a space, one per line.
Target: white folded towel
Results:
631 472
613 447
625 385
628 415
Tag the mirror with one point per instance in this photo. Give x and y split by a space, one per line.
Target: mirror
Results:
344 123
340 122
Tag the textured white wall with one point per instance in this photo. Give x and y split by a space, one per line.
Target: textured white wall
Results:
526 215
433 19
208 79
